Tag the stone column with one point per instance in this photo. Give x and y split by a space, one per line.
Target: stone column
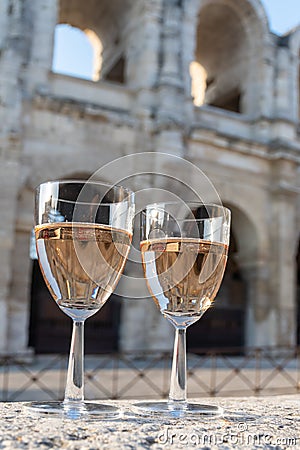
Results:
170 91
19 295
295 87
284 235
282 88
262 104
142 55
266 86
271 309
45 16
260 320
9 174
189 39
284 126
142 325
12 57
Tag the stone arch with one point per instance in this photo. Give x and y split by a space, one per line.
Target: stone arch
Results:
227 323
253 261
244 259
106 24
245 32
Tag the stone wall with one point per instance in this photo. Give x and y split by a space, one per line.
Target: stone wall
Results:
55 126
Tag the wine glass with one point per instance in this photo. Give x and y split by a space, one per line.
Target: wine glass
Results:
83 234
184 250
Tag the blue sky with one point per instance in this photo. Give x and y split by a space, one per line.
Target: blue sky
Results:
283 16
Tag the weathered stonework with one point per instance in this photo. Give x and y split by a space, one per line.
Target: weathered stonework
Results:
245 137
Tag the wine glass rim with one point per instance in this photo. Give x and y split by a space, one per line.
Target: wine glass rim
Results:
79 181
188 203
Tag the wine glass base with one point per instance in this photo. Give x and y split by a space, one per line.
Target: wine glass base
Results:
170 410
86 410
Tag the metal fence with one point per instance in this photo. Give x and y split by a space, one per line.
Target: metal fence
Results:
132 375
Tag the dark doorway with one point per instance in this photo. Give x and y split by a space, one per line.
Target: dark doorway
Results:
50 329
223 325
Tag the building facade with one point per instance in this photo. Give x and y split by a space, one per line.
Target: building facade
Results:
204 80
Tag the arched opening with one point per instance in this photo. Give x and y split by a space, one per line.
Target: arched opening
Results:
220 58
85 62
223 325
226 324
104 27
50 328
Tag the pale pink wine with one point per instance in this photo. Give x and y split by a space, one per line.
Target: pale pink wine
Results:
183 274
81 263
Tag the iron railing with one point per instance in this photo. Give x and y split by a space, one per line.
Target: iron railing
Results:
131 375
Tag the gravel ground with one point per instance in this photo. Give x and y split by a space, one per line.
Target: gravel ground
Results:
265 422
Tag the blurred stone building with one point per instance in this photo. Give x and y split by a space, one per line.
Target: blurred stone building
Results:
201 79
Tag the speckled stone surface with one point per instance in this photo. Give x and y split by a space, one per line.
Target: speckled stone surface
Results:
266 422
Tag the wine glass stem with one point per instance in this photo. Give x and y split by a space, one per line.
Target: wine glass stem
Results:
178 375
74 393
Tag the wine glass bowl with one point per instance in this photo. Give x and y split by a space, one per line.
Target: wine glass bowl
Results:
83 235
184 250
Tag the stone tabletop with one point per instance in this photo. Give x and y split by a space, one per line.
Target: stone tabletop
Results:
253 422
